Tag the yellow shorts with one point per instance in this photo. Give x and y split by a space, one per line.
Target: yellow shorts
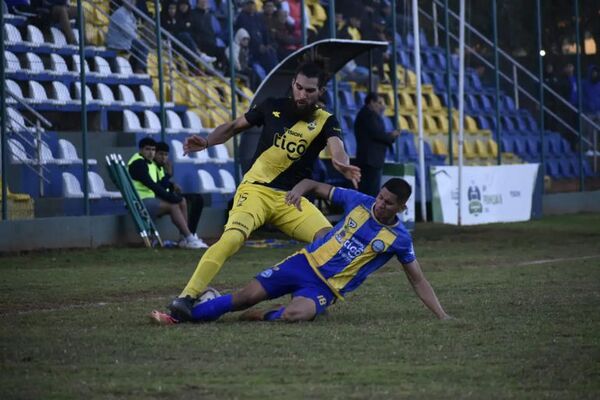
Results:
255 205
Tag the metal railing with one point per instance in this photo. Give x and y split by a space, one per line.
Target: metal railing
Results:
33 139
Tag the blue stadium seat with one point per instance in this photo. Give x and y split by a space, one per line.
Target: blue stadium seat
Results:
553 169
472 105
569 167
507 144
350 144
486 104
533 147
347 100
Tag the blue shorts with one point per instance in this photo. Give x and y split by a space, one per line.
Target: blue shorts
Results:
295 276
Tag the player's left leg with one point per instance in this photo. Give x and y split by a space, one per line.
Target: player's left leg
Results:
213 309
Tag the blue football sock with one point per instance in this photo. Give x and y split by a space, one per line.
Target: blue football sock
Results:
274 315
212 309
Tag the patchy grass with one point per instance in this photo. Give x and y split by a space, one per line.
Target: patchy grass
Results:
74 324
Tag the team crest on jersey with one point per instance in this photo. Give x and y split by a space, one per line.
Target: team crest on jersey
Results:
351 224
312 125
378 246
276 114
267 273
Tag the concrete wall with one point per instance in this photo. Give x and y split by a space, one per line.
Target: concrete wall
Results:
570 203
86 232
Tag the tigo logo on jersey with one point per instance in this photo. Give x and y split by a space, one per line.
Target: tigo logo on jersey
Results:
294 150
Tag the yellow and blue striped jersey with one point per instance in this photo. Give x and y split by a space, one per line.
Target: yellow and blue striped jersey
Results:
358 245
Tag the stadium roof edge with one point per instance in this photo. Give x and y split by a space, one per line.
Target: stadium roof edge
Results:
337 51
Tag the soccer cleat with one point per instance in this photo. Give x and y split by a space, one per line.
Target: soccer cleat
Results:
257 314
161 318
181 308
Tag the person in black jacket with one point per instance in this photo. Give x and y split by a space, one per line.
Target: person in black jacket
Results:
372 142
157 199
195 202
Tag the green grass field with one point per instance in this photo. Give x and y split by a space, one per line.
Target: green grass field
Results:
525 297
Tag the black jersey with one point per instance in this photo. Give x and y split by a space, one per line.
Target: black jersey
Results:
288 145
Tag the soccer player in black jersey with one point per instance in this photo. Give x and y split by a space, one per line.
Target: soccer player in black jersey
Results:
294 132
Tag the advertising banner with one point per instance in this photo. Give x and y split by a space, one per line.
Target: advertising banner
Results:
502 193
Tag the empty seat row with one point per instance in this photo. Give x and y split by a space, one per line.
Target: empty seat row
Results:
97 188
59 93
214 154
131 122
34 37
67 153
33 64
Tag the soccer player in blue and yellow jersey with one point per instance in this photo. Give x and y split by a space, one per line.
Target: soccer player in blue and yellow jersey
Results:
295 130
367 237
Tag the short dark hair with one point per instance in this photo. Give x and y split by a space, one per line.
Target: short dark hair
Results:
147 141
371 96
400 188
313 69
162 146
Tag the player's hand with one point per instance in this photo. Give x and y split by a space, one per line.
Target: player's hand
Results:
350 172
294 197
194 143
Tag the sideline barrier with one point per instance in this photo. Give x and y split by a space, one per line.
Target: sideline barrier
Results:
503 193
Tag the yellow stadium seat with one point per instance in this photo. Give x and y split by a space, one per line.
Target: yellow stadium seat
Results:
429 124
469 150
442 121
406 102
439 147
482 149
403 123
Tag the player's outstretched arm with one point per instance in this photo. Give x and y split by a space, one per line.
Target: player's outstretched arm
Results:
220 134
341 160
319 189
423 289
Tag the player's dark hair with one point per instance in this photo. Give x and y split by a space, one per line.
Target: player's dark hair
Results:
372 96
146 142
313 69
400 188
162 146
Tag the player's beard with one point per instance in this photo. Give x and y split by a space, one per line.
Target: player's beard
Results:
303 112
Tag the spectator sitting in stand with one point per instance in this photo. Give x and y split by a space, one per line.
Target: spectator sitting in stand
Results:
168 16
156 198
195 201
122 35
204 34
241 57
185 29
282 34
62 13
262 50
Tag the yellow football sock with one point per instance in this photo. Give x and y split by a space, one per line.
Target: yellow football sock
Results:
212 261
